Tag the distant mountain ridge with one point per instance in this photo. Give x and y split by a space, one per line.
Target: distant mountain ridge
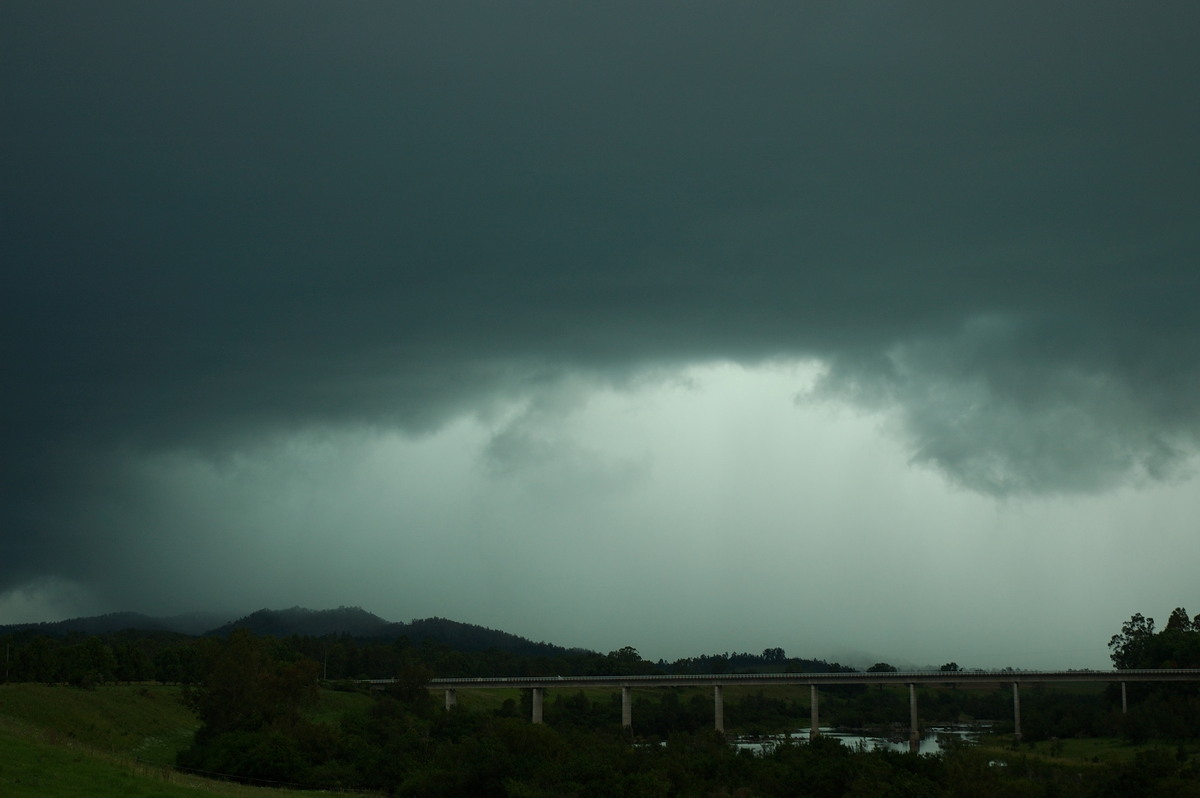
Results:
192 624
354 622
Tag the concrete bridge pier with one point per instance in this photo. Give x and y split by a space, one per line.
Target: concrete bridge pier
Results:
718 709
451 698
1016 712
914 733
816 723
539 693
627 707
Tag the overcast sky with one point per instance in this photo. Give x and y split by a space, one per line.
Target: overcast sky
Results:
866 329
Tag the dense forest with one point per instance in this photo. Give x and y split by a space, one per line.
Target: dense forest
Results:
253 693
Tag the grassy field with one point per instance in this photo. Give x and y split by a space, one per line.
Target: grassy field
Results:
336 703
117 740
1081 751
31 764
146 722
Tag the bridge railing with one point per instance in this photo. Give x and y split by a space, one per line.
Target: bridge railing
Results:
856 677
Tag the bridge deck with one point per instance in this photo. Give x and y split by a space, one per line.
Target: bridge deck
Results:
900 677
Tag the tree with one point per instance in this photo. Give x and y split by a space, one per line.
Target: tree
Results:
881 667
133 663
1179 621
38 661
950 667
167 666
626 661
249 702
250 686
1163 710
1131 647
1178 645
89 663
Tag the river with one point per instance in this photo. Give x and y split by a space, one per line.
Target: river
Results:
931 741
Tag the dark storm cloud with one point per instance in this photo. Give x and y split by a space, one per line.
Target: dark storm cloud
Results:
226 219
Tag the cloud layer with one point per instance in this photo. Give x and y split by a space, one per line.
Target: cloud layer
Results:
225 224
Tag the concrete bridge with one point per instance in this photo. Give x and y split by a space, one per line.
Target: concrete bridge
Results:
539 684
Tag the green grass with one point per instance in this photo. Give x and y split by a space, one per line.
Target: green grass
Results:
40 762
1076 751
116 740
143 721
146 722
333 704
480 700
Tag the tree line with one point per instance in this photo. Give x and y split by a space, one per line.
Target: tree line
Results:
1159 709
166 657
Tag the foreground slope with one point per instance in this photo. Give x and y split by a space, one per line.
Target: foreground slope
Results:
116 740
31 766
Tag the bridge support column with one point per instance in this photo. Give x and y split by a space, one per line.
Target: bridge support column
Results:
1124 700
538 695
627 707
914 733
718 709
815 728
451 698
1016 712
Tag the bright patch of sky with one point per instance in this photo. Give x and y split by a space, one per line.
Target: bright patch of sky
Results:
715 506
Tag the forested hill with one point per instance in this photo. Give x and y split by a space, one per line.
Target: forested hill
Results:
367 627
354 622
469 637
